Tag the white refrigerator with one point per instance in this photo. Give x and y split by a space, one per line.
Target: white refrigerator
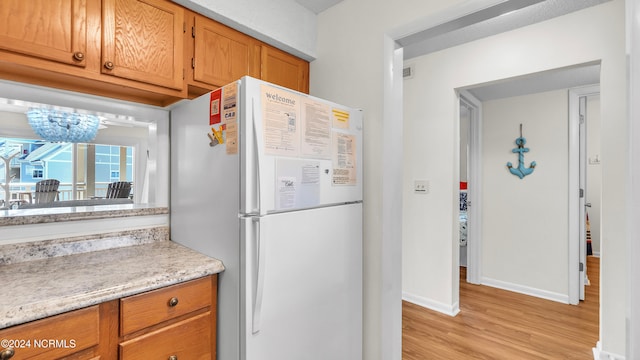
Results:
269 181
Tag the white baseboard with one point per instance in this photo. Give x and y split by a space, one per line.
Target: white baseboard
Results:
544 294
596 254
451 310
599 354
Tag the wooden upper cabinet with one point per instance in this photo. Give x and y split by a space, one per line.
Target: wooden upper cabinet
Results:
48 29
142 40
149 51
222 55
284 69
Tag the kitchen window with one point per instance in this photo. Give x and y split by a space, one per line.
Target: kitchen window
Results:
84 175
132 144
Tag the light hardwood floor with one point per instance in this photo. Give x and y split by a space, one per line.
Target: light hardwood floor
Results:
497 324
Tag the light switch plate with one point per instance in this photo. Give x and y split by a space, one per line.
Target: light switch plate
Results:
421 186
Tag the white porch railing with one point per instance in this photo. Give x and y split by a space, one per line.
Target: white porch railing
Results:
24 191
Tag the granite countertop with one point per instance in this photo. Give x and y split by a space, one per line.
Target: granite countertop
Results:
38 282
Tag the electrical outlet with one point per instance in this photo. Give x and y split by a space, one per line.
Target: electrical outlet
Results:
421 186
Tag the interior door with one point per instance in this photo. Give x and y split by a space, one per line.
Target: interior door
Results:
583 194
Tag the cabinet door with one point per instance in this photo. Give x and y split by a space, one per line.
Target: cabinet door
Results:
142 40
188 339
71 332
284 69
49 29
221 55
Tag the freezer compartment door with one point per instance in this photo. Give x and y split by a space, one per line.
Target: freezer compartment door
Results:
302 285
296 154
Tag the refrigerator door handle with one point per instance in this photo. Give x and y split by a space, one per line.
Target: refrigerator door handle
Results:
257 148
260 258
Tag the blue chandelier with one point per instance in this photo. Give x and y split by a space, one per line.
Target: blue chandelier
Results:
61 126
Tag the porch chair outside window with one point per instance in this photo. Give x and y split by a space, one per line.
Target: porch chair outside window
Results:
118 190
46 191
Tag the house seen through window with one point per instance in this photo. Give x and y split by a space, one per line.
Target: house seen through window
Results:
84 170
42 166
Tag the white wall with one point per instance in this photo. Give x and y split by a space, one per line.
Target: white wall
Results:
525 221
465 117
633 208
431 144
594 170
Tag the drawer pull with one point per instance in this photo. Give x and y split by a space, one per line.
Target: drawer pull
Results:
109 65
8 354
78 55
172 303
173 357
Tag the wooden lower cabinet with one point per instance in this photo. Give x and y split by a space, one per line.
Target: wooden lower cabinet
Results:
154 307
54 337
186 339
175 322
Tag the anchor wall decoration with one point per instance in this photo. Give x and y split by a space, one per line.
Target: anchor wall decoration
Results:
521 171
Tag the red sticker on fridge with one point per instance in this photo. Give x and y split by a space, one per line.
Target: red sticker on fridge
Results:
214 107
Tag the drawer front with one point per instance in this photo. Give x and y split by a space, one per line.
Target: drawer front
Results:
187 339
140 311
55 337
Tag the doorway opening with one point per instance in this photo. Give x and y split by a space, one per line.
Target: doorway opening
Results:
585 175
470 224
513 217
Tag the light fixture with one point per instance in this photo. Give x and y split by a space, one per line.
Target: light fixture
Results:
61 126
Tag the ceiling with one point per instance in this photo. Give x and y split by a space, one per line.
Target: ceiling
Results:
106 119
505 16
318 6
556 79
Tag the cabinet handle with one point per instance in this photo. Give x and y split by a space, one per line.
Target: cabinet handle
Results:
78 55
173 357
109 65
8 354
173 301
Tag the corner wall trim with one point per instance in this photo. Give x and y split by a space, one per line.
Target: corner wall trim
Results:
451 310
526 290
599 354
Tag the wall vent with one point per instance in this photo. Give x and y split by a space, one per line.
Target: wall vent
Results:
407 72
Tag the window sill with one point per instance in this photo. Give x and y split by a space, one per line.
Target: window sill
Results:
74 213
